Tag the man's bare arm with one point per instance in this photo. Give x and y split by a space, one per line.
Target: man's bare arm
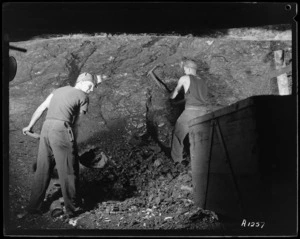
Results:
37 114
180 84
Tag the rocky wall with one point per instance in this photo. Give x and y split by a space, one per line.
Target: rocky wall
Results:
129 103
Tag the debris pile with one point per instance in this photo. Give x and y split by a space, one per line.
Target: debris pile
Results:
140 187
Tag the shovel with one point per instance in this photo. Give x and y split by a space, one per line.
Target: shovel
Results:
84 158
33 135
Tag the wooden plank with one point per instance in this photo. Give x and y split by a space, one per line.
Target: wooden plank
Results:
282 79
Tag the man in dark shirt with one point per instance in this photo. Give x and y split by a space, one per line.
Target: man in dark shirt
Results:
195 90
57 139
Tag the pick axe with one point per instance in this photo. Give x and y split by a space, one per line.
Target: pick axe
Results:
162 85
159 83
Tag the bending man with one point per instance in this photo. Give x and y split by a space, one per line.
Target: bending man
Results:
64 105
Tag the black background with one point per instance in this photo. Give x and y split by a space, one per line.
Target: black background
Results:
24 20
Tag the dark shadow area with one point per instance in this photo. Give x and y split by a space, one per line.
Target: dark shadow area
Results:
103 184
103 187
277 27
277 124
264 191
110 182
152 132
25 20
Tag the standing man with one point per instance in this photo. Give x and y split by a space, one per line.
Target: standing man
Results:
195 90
64 105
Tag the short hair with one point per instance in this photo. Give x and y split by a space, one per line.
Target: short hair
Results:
189 64
87 77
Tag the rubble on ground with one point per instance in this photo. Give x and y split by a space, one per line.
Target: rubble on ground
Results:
140 187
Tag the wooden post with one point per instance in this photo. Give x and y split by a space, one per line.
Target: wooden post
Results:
282 80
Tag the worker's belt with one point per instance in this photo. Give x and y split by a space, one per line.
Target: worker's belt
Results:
70 131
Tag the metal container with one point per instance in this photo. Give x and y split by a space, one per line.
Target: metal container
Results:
244 160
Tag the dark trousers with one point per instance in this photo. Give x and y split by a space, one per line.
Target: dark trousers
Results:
55 148
182 129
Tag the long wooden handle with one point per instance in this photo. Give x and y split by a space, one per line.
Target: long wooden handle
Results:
33 135
159 82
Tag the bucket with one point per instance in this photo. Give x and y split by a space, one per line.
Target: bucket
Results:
56 208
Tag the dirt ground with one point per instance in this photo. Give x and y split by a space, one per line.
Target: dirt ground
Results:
163 200
139 191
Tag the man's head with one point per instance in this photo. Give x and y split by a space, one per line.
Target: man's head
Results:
189 66
86 82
